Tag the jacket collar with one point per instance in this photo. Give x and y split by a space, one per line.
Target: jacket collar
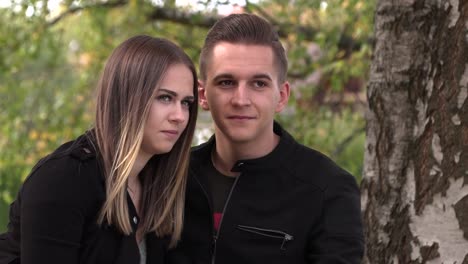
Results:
278 156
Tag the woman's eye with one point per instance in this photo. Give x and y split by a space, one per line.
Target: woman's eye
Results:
164 98
187 103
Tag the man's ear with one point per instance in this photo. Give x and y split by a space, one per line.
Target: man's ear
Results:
283 97
202 96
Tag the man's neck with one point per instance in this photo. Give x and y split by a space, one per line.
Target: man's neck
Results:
227 153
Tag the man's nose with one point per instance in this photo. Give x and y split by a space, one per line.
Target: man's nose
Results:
241 96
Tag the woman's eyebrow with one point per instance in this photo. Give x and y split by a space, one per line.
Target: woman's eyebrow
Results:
188 97
168 91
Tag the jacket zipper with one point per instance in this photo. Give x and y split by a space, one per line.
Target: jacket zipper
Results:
211 213
216 237
269 233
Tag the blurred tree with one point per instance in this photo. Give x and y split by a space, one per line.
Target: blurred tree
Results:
414 190
52 53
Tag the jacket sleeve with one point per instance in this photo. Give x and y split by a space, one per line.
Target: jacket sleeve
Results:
338 239
53 213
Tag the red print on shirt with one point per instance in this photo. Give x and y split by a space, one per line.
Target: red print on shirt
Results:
217 220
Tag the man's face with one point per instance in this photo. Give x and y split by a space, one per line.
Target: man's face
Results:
242 91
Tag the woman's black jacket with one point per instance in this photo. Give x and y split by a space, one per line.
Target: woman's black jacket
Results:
54 218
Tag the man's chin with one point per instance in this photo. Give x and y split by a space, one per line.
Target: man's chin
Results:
240 138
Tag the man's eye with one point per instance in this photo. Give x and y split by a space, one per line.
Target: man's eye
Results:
226 83
260 84
164 98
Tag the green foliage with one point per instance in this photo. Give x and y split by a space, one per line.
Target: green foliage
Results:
41 100
48 72
339 136
328 114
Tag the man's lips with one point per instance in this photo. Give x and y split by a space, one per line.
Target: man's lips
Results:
240 117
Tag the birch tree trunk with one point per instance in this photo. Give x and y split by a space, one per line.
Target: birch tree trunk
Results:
415 183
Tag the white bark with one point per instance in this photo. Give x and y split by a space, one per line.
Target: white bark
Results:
439 224
414 188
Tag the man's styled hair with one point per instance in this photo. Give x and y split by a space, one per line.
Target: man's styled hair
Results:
126 90
246 29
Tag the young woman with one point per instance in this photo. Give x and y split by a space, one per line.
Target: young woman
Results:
116 193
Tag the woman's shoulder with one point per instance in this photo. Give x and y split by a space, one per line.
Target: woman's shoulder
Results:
70 173
75 151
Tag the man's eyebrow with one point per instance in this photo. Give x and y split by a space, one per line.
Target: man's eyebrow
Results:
223 76
230 76
262 76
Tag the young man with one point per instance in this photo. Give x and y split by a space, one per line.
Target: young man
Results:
254 194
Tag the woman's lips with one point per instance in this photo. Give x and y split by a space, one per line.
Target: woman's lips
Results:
171 133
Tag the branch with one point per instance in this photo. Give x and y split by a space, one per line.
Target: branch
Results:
284 29
72 10
204 20
346 141
183 17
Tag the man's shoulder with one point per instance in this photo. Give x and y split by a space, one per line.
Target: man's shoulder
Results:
198 148
314 166
307 158
202 148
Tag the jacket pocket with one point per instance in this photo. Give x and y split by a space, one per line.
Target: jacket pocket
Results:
276 234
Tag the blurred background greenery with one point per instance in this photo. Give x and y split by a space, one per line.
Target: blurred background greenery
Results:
52 52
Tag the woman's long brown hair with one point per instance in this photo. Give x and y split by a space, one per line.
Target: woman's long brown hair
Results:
125 92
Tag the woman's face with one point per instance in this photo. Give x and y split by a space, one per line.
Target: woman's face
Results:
169 113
